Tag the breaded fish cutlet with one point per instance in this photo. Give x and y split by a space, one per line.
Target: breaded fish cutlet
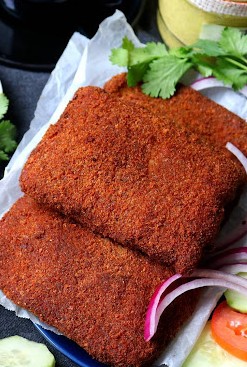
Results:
92 290
127 174
189 109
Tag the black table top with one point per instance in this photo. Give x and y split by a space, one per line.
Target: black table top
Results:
23 88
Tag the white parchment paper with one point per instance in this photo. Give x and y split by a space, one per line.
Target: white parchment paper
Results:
86 62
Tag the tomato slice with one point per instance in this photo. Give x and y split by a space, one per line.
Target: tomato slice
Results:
229 329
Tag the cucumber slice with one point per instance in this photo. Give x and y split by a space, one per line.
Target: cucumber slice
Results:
207 353
211 32
16 351
236 300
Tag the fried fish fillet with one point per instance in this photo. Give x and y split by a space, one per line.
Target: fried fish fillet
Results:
189 109
123 172
92 290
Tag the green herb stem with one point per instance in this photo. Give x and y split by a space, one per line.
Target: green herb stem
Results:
236 63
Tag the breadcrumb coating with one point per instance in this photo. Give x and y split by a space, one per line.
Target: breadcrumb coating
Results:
131 176
92 290
189 109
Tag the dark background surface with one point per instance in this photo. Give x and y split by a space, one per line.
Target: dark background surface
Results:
23 88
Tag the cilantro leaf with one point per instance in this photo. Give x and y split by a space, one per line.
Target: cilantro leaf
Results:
119 56
136 73
205 70
163 75
208 47
128 55
233 42
7 131
223 56
225 71
203 65
3 156
4 103
148 53
182 52
127 44
156 49
7 136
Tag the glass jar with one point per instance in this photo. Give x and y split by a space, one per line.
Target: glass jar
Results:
180 22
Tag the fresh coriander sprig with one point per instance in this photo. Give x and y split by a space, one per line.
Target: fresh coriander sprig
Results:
160 69
7 131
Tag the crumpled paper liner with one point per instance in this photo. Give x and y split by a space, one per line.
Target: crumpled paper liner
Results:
86 62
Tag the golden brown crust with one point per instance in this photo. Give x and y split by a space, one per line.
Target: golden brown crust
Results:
93 291
128 175
189 109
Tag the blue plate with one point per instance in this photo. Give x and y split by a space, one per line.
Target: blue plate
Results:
69 348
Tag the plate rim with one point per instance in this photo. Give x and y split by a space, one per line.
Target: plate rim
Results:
50 336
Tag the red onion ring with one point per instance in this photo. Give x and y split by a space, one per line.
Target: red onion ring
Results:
194 284
219 274
234 268
152 308
214 278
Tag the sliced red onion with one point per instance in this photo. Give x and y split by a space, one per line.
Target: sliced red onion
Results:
219 274
234 268
238 254
205 83
210 278
238 154
211 82
194 284
152 308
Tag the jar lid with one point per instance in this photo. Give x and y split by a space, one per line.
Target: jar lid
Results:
226 7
